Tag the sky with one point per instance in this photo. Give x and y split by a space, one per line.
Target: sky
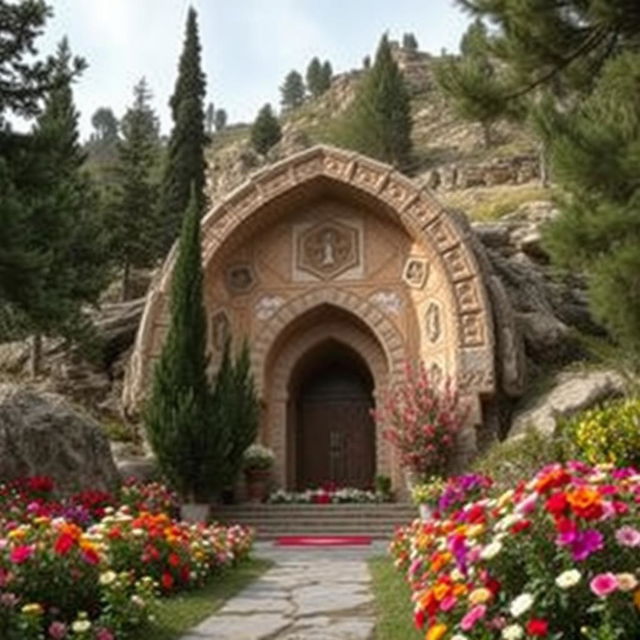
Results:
248 46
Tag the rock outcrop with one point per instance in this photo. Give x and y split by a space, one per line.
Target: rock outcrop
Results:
42 434
571 392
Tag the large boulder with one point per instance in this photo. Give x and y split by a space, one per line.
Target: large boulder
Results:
572 392
42 434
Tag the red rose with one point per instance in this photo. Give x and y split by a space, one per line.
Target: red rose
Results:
63 544
167 581
521 525
557 504
537 627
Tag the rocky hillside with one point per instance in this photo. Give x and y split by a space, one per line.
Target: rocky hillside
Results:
449 155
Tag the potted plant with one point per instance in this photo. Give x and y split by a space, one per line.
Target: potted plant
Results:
257 462
426 495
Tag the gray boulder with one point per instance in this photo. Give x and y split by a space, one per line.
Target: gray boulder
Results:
42 434
572 392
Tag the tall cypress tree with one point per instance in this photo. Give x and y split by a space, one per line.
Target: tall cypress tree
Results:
180 411
265 131
185 163
132 209
378 122
314 77
292 91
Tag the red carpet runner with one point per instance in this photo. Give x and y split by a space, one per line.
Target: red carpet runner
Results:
322 541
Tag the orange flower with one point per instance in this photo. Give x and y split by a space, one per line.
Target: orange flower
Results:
585 502
436 632
553 479
440 591
439 561
636 599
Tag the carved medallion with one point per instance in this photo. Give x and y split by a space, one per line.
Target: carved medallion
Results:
328 249
220 330
268 305
433 322
240 278
416 272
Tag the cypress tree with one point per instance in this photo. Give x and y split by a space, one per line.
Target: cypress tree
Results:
265 131
326 74
292 91
180 412
185 163
314 77
220 119
409 42
378 123
132 210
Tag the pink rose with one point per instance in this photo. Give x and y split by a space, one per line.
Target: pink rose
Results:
604 584
471 618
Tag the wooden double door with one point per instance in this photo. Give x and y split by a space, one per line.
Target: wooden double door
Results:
335 430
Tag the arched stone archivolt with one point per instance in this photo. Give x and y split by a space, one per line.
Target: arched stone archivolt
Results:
280 367
381 327
264 197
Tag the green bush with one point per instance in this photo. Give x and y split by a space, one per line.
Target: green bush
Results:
606 434
518 458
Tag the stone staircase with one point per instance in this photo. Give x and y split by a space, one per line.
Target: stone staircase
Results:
275 520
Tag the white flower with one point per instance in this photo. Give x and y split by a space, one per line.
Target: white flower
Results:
81 626
568 578
512 632
459 636
107 577
491 550
521 604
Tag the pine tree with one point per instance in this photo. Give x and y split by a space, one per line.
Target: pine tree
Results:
220 119
185 163
292 91
378 123
472 83
72 231
105 125
314 77
594 153
180 415
409 42
25 82
326 76
265 131
132 219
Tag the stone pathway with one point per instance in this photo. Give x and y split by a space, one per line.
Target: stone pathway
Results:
309 594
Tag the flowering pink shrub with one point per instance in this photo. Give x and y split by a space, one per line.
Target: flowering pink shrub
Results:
422 421
556 557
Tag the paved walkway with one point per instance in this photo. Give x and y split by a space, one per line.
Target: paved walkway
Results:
309 594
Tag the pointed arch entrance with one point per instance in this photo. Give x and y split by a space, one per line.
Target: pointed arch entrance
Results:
331 429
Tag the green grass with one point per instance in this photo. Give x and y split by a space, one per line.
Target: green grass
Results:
180 613
491 203
394 611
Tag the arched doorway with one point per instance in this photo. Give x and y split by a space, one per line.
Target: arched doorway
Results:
333 432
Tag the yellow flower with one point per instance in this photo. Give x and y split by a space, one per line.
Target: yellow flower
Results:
436 632
475 530
479 596
636 599
33 608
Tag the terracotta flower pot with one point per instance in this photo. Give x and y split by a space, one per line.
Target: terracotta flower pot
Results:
257 481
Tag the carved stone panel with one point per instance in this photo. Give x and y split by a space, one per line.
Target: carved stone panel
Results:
240 278
220 330
416 272
433 322
267 306
328 249
388 301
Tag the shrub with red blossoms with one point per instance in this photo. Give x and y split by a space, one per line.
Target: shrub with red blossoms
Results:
555 557
422 420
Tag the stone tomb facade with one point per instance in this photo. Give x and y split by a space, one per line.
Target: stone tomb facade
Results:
338 270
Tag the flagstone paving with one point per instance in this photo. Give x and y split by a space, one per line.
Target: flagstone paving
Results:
309 594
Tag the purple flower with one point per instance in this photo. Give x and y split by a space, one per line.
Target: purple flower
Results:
581 543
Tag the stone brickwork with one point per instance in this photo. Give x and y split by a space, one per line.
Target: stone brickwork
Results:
328 244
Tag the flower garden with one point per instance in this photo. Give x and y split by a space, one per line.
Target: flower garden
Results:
94 566
557 556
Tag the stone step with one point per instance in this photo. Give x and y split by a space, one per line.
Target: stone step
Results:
272 521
